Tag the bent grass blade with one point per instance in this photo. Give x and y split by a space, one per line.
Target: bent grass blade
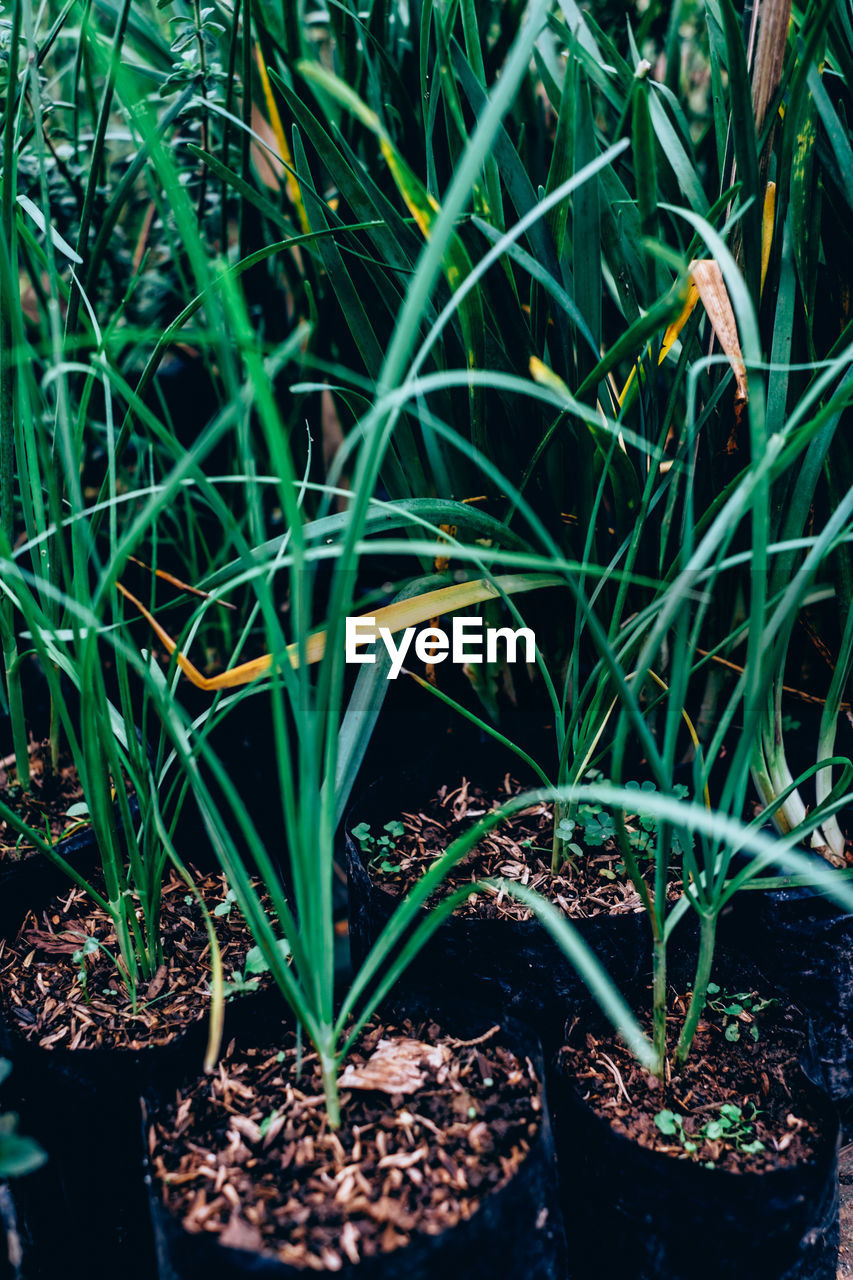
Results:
393 617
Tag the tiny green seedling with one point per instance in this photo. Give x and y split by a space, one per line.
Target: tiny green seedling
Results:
733 1126
671 1125
22 843
89 948
224 907
242 983
265 1124
738 1010
599 829
380 847
80 817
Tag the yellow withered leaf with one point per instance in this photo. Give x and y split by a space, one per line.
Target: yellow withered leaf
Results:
294 194
394 617
768 217
707 283
443 562
179 583
631 376
673 330
546 377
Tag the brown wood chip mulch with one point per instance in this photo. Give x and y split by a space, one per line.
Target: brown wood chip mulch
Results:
40 983
44 807
518 849
760 1077
427 1131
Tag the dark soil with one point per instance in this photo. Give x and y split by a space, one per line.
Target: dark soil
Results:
44 807
247 1153
761 1077
519 849
40 983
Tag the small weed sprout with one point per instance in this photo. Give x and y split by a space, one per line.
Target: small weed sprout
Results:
247 981
733 1127
267 1122
738 1010
671 1125
89 948
380 847
598 828
224 907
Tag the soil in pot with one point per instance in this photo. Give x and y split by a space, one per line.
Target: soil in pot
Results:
444 1160
52 999
591 880
492 941
727 1169
81 1055
44 807
54 806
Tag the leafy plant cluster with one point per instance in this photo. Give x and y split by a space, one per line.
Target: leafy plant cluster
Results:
733 1127
410 309
599 826
740 1010
248 979
380 849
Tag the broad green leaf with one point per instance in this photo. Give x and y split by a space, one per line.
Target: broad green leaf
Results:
672 148
256 961
586 224
562 159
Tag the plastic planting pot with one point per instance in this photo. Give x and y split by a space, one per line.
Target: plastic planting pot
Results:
634 1212
28 879
512 963
78 848
85 1210
808 940
515 1234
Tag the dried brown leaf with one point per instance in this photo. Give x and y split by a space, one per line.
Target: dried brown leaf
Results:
395 1067
708 278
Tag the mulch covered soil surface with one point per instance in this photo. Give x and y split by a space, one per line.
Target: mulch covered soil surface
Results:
45 998
761 1077
430 1125
44 807
518 849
